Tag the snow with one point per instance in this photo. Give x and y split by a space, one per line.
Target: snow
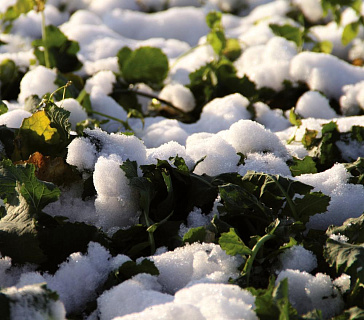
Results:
196 262
298 258
324 72
308 292
220 155
38 81
180 97
313 104
233 134
220 113
249 136
77 279
31 303
268 64
116 203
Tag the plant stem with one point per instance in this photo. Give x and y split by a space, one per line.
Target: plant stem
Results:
107 116
149 95
288 198
249 263
150 234
44 38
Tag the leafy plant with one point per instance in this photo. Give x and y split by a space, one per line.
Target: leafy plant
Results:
54 50
300 36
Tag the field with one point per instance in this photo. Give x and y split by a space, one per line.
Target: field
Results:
181 159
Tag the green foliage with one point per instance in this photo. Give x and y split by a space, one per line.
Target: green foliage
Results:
27 234
62 53
197 234
303 166
346 258
350 32
3 108
145 64
300 36
14 11
336 7
10 77
232 244
273 303
289 32
356 170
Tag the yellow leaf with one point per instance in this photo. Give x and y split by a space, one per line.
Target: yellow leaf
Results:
40 124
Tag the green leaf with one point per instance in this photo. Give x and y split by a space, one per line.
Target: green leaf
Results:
59 238
350 32
289 32
353 228
232 49
280 295
309 138
213 19
311 204
3 107
10 77
7 139
233 245
18 234
132 242
14 11
145 64
195 235
294 118
323 46
180 163
217 41
346 258
62 52
130 168
21 179
357 133
303 166
356 169
130 268
273 303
